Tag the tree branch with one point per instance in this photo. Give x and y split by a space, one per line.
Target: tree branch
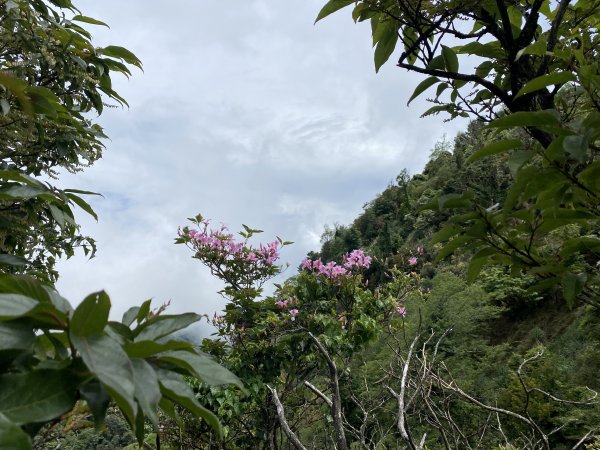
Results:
283 422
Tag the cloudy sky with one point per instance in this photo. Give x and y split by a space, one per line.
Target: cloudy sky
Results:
247 113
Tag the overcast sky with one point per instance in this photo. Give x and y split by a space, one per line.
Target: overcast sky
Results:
247 113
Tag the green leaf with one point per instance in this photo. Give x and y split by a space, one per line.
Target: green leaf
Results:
147 389
36 396
580 245
577 146
12 437
130 315
12 260
447 231
572 286
107 360
91 316
495 148
478 261
89 20
174 387
423 86
83 205
450 59
545 80
490 50
97 399
548 117
332 6
15 305
145 349
16 335
451 246
115 51
484 69
386 43
202 367
143 311
162 326
590 177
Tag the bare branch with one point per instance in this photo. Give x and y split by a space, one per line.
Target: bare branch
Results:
283 422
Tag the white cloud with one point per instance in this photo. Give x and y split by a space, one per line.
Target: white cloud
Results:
247 113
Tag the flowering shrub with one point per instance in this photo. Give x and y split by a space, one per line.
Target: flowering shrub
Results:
265 339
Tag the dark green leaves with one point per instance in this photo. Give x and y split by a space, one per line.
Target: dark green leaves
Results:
12 437
103 363
36 396
105 358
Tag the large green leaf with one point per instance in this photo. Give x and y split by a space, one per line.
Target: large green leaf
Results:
162 326
12 260
24 285
97 399
544 81
12 437
15 305
36 396
144 349
528 119
16 335
332 6
202 367
107 360
147 389
91 316
174 387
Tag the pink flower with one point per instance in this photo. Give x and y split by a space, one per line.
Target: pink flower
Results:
412 261
401 310
356 258
293 312
307 264
281 304
420 250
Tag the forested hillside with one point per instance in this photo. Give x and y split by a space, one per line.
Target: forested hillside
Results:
460 310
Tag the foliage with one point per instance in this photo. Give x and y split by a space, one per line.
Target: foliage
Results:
541 77
51 81
323 316
53 355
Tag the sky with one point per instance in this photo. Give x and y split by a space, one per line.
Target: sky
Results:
247 113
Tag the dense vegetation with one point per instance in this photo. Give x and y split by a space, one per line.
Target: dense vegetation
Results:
459 310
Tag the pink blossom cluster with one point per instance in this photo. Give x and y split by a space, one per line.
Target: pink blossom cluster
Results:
333 271
413 261
283 304
223 243
400 310
356 258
